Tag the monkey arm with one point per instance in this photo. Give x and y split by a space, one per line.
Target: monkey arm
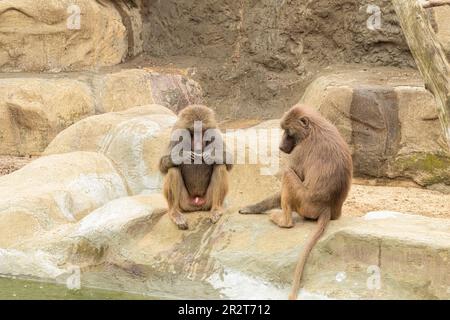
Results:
226 156
294 179
227 159
165 163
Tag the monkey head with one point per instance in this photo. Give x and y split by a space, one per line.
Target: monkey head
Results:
296 124
197 119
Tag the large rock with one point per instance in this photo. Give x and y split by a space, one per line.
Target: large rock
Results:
69 212
34 110
133 139
130 11
41 35
55 190
136 87
389 119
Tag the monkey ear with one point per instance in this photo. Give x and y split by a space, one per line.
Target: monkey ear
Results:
304 122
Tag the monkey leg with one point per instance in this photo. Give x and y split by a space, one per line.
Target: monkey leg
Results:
217 191
292 195
270 203
283 218
173 190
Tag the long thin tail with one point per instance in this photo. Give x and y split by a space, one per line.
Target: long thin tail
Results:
322 223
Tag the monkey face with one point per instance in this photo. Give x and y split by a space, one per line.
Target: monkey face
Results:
198 142
295 131
288 143
202 140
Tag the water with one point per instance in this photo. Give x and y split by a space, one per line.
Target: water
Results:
18 289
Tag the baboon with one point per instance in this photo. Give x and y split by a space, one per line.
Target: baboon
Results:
196 185
316 181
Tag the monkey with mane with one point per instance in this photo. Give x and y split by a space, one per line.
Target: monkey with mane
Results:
316 181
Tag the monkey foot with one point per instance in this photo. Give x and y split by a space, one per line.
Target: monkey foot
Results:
216 215
280 220
180 220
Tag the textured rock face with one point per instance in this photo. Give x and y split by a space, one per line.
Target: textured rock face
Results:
441 25
35 108
41 35
389 120
265 53
55 190
136 87
132 139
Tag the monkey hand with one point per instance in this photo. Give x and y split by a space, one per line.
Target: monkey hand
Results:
165 163
208 158
188 157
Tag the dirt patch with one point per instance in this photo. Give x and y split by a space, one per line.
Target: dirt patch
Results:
9 164
255 58
405 199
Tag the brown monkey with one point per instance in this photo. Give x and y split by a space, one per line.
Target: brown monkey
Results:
317 180
200 183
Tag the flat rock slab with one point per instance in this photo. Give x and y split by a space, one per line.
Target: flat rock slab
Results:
127 245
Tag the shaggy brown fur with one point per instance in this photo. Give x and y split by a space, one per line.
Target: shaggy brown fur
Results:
194 187
317 180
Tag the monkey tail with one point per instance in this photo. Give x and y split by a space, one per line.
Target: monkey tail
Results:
322 223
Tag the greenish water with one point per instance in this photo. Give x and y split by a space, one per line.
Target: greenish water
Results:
17 289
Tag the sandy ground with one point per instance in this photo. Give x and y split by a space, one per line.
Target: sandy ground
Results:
365 198
9 164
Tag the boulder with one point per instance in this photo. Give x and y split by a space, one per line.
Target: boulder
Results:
55 190
383 255
34 110
136 87
388 118
41 35
133 139
130 11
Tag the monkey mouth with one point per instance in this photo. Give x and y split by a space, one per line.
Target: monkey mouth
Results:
197 201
